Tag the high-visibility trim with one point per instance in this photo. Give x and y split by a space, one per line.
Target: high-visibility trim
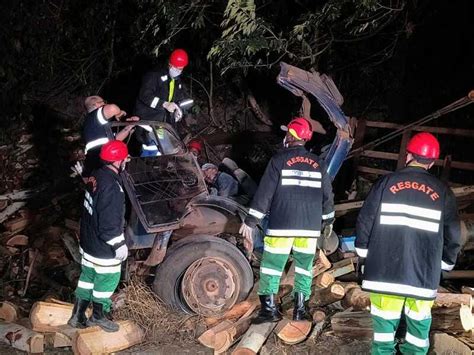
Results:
419 316
409 222
388 315
384 337
100 294
171 90
85 285
301 173
256 213
328 216
398 289
267 271
185 102
88 197
155 102
445 266
298 182
309 250
116 240
100 116
98 261
88 207
276 250
421 343
362 252
293 233
146 127
411 210
149 147
164 78
301 271
96 143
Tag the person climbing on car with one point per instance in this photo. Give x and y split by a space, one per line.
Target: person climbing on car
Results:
222 183
99 113
163 98
296 193
102 242
408 231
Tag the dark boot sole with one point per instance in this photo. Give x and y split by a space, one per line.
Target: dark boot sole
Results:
105 329
259 320
77 325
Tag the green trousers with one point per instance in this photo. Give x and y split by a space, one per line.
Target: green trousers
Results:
275 255
97 283
386 312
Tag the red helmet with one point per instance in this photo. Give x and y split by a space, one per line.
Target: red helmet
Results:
300 128
195 144
179 58
114 151
424 145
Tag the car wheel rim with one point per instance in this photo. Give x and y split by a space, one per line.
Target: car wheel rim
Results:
210 286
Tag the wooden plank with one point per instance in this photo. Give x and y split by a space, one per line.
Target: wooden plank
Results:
402 154
368 170
394 156
441 130
446 171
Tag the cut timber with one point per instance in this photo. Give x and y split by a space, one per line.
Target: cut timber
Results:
232 314
63 337
96 341
48 317
467 290
21 338
453 299
324 280
17 240
17 224
357 299
323 297
458 274
322 264
222 336
253 339
13 208
442 343
319 319
292 332
342 267
8 312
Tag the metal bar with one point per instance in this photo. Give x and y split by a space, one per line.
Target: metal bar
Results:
439 130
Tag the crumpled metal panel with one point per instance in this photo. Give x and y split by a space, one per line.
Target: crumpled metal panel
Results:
298 81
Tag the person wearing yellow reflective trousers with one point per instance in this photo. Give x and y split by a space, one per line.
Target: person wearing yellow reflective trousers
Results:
407 231
296 193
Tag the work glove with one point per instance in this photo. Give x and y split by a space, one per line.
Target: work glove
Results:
77 169
327 230
170 106
121 253
247 232
178 114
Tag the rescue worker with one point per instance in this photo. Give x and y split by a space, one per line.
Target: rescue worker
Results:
224 184
408 231
99 113
162 96
296 193
102 242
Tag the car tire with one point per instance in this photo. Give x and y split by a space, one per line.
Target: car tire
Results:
169 274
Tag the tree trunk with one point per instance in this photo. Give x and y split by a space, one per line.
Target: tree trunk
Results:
453 299
292 332
357 299
8 312
322 264
253 339
49 317
232 314
94 340
21 338
323 297
324 280
446 344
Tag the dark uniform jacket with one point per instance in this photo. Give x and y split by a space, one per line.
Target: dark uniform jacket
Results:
102 221
296 192
408 230
158 87
94 136
226 185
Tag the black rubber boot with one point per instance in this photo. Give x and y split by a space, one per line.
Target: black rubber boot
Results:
98 318
300 312
78 318
269 311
